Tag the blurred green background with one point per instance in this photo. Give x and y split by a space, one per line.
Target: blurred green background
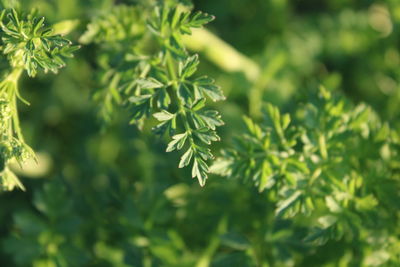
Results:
109 196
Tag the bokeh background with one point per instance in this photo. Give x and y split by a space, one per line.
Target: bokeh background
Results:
111 196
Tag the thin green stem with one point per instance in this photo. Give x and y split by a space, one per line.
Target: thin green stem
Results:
182 111
13 78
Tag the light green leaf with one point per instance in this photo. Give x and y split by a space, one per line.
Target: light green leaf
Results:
185 159
163 115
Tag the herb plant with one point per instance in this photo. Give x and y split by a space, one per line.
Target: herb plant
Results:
329 161
150 73
311 178
28 46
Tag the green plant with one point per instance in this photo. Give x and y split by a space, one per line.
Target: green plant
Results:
147 69
28 46
310 179
329 160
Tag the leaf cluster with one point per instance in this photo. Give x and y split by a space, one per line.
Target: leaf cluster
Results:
30 45
156 77
331 161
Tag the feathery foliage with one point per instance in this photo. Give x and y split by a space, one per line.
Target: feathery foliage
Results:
148 71
28 46
330 160
318 186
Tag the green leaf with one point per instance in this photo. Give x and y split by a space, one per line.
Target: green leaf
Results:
266 175
332 204
185 93
207 136
206 86
169 125
163 115
38 25
199 19
327 221
209 118
285 121
177 142
163 98
252 127
198 104
204 152
285 204
9 181
139 99
200 170
185 159
149 83
189 66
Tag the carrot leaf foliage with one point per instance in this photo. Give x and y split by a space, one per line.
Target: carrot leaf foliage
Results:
28 45
148 71
328 160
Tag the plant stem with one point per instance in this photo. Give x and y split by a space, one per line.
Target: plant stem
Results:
182 111
13 79
219 51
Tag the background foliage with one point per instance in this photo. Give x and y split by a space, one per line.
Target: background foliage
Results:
107 194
